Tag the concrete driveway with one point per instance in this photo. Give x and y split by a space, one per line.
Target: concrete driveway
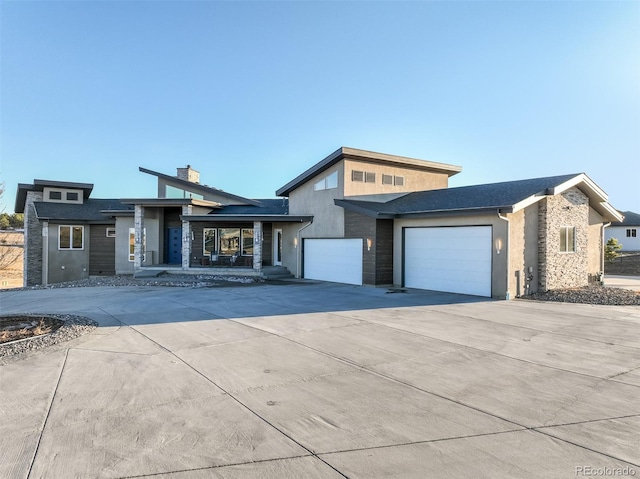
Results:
322 381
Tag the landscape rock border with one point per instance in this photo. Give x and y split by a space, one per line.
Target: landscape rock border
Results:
73 327
590 295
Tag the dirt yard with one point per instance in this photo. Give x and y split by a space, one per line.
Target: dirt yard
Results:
627 264
11 246
14 328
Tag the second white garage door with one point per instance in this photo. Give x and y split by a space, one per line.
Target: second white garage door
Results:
452 259
338 260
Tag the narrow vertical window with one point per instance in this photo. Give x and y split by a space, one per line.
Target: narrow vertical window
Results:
567 239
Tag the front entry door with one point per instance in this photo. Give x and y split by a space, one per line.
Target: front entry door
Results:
174 246
277 247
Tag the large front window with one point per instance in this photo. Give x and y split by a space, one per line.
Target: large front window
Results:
209 246
70 237
247 242
229 240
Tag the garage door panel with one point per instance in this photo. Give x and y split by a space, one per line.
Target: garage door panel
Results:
451 259
337 259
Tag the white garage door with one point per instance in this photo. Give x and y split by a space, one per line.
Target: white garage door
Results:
455 259
338 260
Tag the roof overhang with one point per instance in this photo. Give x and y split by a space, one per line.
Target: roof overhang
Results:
370 156
245 218
40 185
598 198
168 202
198 187
422 214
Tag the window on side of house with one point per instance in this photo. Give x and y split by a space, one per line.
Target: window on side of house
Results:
247 242
55 195
70 237
631 233
209 245
327 183
369 177
387 179
567 239
357 176
72 196
132 243
398 180
110 233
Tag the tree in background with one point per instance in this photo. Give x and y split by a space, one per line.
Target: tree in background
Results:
611 250
10 248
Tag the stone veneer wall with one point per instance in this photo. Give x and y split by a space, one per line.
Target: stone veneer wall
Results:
563 270
32 267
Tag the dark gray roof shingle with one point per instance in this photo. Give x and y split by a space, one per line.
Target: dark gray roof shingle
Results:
267 207
477 197
90 210
630 219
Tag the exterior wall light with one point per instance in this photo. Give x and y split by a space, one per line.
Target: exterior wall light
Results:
498 245
295 242
369 244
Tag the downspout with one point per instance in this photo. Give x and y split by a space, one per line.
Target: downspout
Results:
507 247
604 225
299 248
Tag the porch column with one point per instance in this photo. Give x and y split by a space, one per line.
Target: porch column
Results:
186 237
257 245
138 237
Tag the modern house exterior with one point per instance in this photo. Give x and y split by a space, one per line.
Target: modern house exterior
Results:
356 217
627 232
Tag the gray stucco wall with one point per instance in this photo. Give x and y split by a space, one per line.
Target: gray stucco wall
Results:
67 265
523 252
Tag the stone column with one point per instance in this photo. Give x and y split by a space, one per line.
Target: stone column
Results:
186 237
32 264
138 237
257 245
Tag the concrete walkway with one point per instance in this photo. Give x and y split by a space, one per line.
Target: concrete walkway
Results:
322 381
625 282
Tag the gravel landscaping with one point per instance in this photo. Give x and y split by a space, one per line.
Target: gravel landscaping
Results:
590 295
72 327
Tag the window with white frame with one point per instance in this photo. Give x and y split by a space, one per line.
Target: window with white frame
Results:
567 239
209 244
110 232
132 243
631 233
327 183
229 240
70 237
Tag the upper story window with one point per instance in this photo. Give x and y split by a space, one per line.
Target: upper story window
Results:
70 237
567 239
327 183
393 180
631 233
363 176
173 192
62 195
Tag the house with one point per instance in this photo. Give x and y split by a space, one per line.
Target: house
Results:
627 232
356 217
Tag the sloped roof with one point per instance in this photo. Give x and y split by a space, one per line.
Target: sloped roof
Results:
630 219
267 207
353 153
198 187
506 196
92 210
39 185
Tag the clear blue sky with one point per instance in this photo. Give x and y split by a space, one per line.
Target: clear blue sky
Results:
253 93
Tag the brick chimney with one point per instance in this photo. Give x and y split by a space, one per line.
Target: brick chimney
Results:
189 174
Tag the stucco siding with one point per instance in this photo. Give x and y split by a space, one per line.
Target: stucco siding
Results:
523 251
328 219
414 179
595 252
67 265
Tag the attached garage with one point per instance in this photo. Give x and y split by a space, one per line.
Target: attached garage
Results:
454 259
337 259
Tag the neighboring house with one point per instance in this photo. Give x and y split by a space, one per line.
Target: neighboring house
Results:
356 217
627 232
